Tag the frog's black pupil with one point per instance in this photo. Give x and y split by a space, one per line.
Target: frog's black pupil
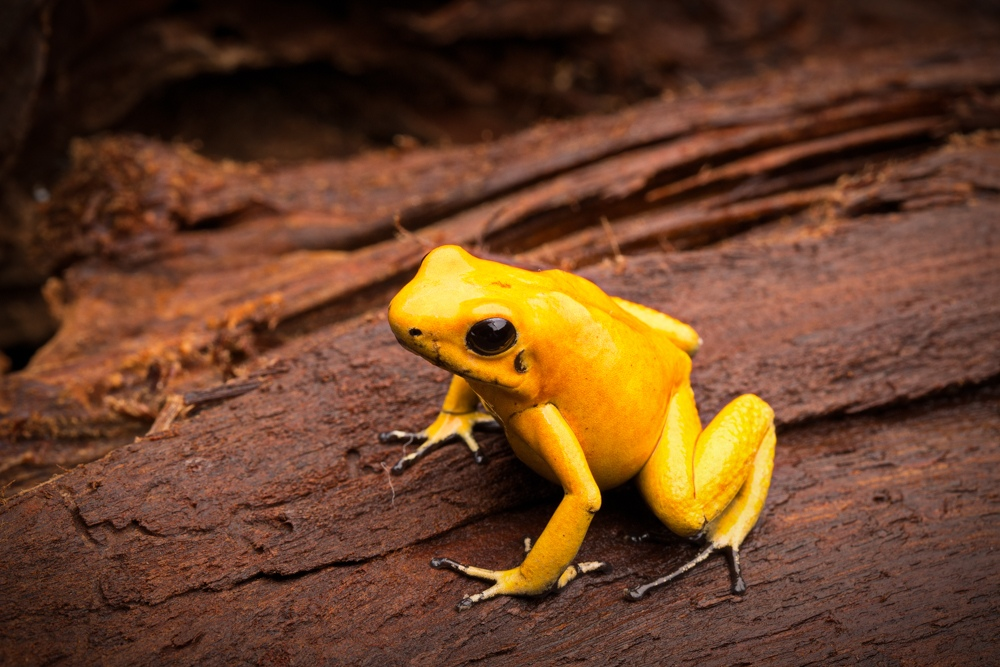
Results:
491 336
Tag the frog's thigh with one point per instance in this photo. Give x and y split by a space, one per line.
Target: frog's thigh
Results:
666 481
694 475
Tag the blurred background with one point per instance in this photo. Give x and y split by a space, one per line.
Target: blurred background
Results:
281 82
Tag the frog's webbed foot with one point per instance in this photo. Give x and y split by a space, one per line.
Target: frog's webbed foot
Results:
738 585
511 582
446 427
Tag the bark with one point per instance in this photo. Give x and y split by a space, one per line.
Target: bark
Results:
194 266
234 314
270 514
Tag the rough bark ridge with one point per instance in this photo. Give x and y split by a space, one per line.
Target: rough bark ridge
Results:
256 521
193 267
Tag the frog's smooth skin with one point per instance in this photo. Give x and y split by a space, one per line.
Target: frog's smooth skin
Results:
591 391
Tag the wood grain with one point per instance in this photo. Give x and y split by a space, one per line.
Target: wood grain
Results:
279 529
223 367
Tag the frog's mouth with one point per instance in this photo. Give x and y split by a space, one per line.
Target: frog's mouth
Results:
421 345
426 346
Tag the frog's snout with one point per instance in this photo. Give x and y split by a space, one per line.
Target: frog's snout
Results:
413 338
409 337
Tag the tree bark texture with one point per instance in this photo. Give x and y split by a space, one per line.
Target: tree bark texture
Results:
831 232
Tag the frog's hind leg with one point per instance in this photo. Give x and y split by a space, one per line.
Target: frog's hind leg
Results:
639 591
730 528
710 483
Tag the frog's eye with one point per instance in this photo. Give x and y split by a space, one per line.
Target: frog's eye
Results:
490 337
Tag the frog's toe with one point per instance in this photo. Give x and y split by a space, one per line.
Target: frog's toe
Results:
447 563
429 443
407 437
414 456
402 464
739 587
477 451
446 428
467 570
478 573
575 570
638 592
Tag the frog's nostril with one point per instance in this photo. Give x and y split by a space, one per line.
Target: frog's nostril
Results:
415 332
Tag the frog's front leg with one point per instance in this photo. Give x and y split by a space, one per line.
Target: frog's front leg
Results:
548 562
457 418
710 483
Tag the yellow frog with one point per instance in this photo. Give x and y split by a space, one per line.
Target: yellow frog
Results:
591 391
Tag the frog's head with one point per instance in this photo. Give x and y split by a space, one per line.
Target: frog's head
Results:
470 316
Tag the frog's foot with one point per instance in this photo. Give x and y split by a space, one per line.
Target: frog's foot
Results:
728 530
639 591
739 586
446 427
512 582
504 581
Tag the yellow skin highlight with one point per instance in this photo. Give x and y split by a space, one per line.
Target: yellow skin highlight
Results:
593 392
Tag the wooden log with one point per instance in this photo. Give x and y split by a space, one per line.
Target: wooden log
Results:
128 194
158 310
232 311
265 528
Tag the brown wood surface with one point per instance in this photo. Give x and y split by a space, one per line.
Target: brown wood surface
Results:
257 522
159 303
260 528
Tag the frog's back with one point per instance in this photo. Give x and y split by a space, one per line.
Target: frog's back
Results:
674 338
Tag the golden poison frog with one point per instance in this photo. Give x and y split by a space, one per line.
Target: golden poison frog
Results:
591 391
